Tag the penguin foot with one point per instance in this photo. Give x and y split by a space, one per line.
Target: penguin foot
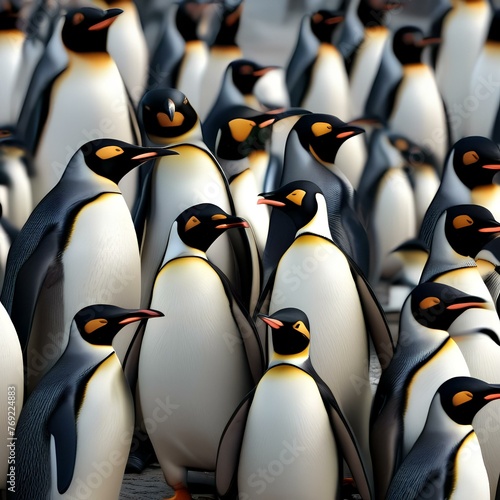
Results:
181 493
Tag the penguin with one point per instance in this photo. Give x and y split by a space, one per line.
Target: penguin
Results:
467 177
488 263
204 326
86 87
463 30
246 82
362 48
317 277
78 421
78 246
480 108
425 356
288 436
169 119
316 75
405 95
310 154
11 59
12 382
222 51
446 459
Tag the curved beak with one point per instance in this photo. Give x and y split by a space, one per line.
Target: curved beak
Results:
108 19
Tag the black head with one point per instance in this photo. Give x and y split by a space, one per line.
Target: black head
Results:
469 227
167 113
373 12
230 22
197 20
322 135
297 199
437 305
476 160
413 153
98 324
290 330
324 23
494 31
246 73
9 15
463 397
200 225
113 159
86 28
408 44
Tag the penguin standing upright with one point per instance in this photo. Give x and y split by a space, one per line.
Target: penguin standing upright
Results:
446 459
78 247
76 100
424 358
169 119
291 424
78 422
204 326
405 93
462 29
315 276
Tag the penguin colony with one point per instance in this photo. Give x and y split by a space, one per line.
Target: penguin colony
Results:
199 252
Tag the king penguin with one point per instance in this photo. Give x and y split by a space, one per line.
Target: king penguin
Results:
78 422
291 424
446 460
424 358
76 100
315 276
206 327
169 119
81 232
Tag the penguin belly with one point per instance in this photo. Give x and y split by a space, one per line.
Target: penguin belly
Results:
190 178
313 275
365 67
418 111
88 101
104 428
329 86
193 370
288 450
11 49
99 265
425 188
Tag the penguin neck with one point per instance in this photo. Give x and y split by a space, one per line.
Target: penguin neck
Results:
78 348
192 136
88 58
177 248
439 422
319 223
280 359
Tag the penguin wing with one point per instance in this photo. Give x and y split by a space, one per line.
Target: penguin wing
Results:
36 102
142 206
228 454
299 66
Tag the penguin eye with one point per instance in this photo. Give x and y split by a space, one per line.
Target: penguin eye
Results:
192 222
429 302
470 157
109 152
218 217
462 221
95 324
321 128
240 128
461 397
296 196
317 18
78 18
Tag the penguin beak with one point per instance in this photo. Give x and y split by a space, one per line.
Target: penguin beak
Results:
109 19
229 225
152 153
273 323
490 397
349 131
492 166
138 315
268 201
171 109
431 40
334 20
392 4
495 228
468 303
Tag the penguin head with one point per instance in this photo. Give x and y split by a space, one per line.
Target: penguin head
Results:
200 225
412 153
372 12
436 305
246 73
408 44
324 24
322 135
230 22
197 20
167 113
85 29
469 227
289 331
113 159
297 199
98 324
476 160
462 397
9 15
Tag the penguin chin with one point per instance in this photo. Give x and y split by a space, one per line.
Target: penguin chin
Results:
288 345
